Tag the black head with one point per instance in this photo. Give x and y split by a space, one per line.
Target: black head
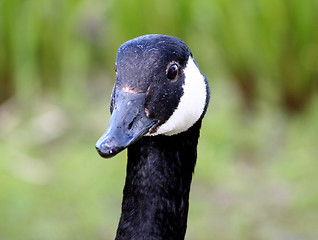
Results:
152 75
153 64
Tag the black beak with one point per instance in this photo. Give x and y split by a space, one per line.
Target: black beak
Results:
127 124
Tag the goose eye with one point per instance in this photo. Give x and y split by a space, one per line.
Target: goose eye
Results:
172 71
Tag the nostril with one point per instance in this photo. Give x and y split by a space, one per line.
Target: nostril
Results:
130 125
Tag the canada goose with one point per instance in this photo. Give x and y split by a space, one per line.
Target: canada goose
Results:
157 105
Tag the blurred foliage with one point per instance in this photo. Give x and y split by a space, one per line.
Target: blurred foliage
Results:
268 48
271 41
256 173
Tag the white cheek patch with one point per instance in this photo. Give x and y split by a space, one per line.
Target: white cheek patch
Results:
191 105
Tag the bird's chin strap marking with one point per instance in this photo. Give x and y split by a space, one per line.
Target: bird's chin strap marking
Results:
191 105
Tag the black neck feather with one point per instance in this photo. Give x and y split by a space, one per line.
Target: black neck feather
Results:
156 193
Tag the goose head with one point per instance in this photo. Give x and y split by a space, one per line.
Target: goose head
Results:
159 89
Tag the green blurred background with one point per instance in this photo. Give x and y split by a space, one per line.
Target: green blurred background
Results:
256 176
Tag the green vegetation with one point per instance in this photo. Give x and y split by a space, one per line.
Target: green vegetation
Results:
256 176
